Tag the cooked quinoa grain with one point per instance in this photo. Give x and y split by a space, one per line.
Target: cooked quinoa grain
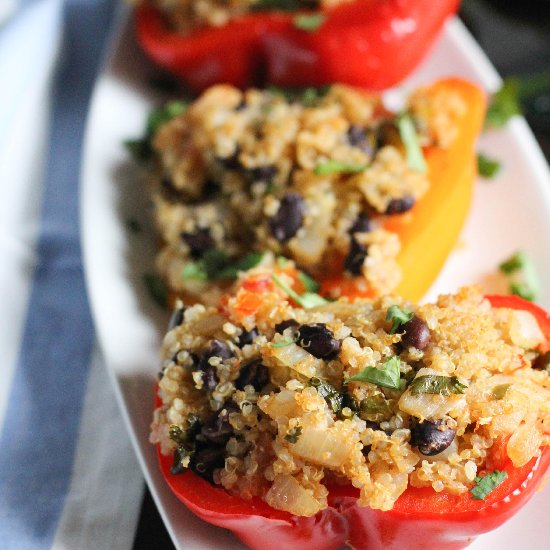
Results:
338 393
312 180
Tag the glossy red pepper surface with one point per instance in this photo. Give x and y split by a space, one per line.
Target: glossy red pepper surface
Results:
420 519
369 43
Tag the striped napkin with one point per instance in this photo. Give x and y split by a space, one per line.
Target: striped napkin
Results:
68 476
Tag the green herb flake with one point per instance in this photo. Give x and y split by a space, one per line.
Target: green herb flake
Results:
522 276
309 22
500 391
194 271
307 300
505 103
335 167
293 434
215 265
375 404
162 115
409 137
244 264
308 97
487 484
333 398
310 284
487 167
433 384
388 376
157 288
398 317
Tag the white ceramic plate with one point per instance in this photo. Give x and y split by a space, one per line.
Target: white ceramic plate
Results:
509 213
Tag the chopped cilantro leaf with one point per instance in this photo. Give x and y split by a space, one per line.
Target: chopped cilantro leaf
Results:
387 377
487 484
247 262
409 137
309 22
215 265
505 103
335 167
160 116
293 434
487 167
333 398
398 317
282 343
375 404
306 300
308 97
522 276
310 284
442 385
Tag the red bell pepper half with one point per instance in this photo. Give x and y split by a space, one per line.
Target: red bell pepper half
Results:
369 43
421 518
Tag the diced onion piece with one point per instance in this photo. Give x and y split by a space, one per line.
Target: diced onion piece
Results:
299 360
327 447
287 494
524 330
524 444
281 404
432 406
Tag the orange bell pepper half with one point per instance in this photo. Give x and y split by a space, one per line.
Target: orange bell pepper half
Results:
430 230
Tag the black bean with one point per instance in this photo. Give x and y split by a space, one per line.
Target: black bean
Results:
232 162
198 242
417 333
431 438
361 225
542 362
241 106
247 337
218 430
206 459
289 218
216 348
263 173
254 374
280 327
318 340
355 258
176 319
362 139
399 206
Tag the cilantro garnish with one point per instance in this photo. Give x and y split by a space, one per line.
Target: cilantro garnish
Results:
522 276
309 22
505 103
310 284
487 167
160 116
293 434
156 288
215 265
487 484
442 385
308 97
375 404
333 398
409 137
388 376
398 317
335 167
282 343
306 300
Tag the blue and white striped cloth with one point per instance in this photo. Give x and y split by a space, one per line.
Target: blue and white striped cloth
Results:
68 476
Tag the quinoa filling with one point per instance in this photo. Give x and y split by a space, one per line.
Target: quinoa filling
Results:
313 176
274 401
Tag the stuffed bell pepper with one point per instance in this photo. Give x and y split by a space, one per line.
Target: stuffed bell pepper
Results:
380 424
370 43
356 195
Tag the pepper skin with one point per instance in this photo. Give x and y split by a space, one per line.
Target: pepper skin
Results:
370 43
430 230
421 518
